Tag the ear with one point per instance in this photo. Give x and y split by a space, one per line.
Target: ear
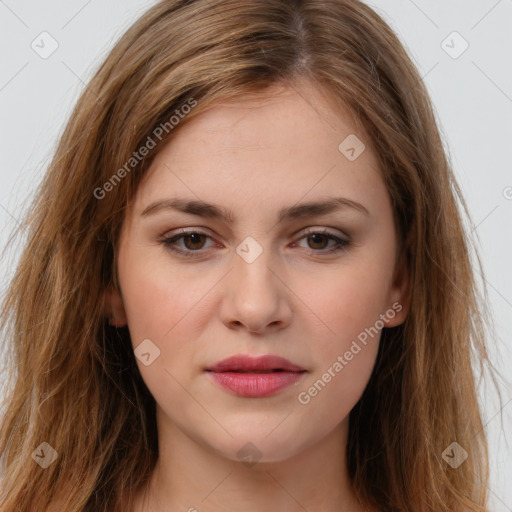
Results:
115 308
399 298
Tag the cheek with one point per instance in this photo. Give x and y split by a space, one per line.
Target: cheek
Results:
348 305
157 296
169 307
163 310
331 393
345 301
343 362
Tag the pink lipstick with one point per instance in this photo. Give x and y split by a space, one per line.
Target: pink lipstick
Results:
255 377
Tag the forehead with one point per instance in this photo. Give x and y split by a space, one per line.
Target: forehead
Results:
255 120
282 146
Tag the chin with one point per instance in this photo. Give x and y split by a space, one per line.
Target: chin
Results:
251 447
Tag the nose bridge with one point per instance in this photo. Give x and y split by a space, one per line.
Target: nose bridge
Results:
256 298
252 262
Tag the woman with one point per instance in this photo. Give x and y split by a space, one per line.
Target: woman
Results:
247 283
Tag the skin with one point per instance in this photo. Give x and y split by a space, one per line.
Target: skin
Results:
295 300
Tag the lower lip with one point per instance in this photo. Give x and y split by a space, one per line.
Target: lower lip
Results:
255 385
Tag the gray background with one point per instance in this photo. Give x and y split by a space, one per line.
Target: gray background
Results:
472 95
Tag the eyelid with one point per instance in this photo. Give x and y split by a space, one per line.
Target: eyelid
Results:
187 231
324 230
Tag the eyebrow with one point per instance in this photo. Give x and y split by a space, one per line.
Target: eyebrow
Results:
203 209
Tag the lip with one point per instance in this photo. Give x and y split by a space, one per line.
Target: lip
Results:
269 374
245 363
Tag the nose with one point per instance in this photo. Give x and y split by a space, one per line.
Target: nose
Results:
255 297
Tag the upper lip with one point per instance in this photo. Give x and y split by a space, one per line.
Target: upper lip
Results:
246 363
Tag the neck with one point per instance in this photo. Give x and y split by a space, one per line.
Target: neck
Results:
192 477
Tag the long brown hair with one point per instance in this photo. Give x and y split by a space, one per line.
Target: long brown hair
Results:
73 380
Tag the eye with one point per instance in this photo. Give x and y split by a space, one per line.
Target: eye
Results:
317 240
194 241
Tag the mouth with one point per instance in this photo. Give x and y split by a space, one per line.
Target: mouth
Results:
250 377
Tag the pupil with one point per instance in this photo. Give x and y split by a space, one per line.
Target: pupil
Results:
317 238
195 238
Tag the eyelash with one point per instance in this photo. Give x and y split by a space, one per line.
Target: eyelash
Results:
341 244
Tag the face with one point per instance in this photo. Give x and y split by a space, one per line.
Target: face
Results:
311 284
